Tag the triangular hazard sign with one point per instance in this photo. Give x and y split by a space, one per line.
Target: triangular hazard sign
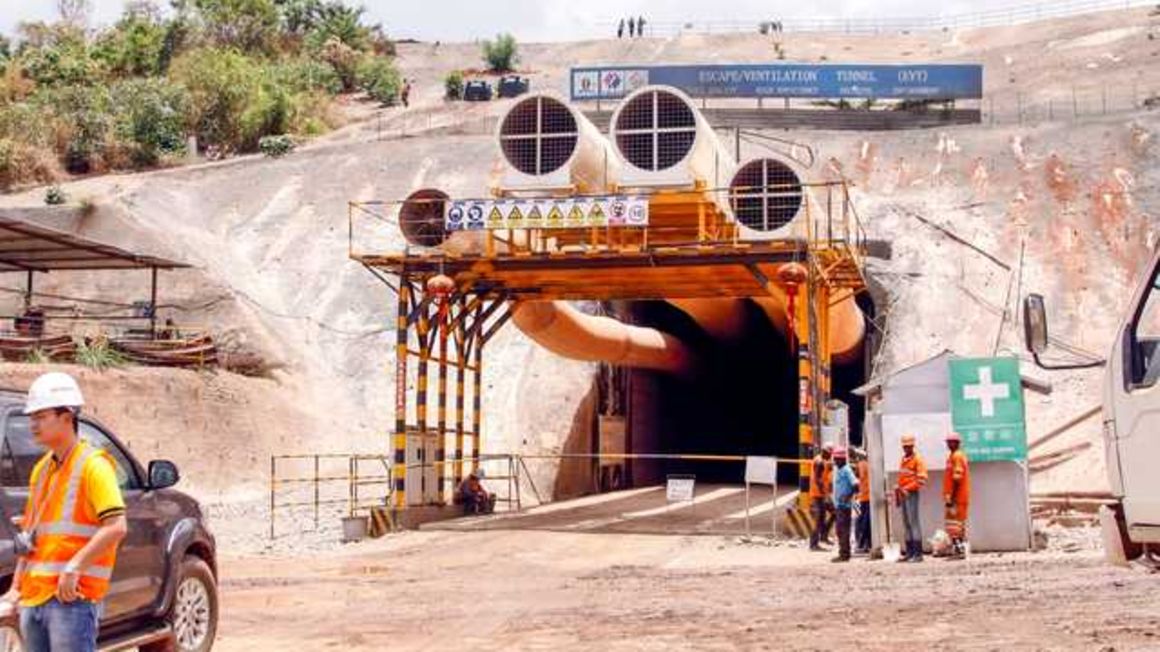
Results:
596 215
515 215
576 214
534 215
555 214
495 215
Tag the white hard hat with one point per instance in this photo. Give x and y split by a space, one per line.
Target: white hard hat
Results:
479 473
53 390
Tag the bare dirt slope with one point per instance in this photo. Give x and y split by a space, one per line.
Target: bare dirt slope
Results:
269 240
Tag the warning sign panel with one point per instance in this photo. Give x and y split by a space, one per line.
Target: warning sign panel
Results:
573 213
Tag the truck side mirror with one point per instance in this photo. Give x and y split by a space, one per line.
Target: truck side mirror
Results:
1035 323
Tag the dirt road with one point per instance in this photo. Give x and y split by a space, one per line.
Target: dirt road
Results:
494 590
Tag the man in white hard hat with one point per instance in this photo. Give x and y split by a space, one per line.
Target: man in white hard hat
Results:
72 524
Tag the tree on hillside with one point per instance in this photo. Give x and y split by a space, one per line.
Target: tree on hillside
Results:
501 55
135 46
336 20
248 25
73 12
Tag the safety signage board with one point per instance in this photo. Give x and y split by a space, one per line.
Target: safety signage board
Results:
568 213
828 80
680 488
987 408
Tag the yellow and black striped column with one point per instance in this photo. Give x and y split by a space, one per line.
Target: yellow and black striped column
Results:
400 443
421 396
441 443
477 394
460 371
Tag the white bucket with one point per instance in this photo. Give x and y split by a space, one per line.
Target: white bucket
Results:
354 528
891 551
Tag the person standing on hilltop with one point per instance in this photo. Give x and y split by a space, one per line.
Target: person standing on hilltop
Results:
631 28
405 95
620 29
640 26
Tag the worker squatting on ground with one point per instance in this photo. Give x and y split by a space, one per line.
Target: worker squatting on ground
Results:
473 496
911 479
862 527
957 495
845 489
72 523
821 507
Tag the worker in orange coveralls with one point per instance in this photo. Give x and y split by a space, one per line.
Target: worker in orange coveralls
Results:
957 495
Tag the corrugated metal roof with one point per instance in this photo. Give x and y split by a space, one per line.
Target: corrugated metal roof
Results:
25 246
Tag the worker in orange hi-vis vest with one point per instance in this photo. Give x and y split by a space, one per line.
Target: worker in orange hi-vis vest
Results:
72 523
911 479
821 506
862 526
957 494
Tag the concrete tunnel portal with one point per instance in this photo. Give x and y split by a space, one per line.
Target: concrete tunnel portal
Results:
741 398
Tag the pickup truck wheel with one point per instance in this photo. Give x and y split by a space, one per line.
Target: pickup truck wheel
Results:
194 614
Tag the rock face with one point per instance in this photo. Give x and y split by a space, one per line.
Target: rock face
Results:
1064 208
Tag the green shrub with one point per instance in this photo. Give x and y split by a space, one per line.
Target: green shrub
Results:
247 25
65 64
98 354
344 60
276 146
55 196
150 118
338 21
308 75
501 55
380 79
83 125
221 85
135 46
453 85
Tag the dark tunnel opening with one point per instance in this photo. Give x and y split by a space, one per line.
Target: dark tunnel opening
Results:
741 399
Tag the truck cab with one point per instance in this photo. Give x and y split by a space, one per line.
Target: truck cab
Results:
1131 416
1132 411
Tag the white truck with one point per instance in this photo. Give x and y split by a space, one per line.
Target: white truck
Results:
1131 418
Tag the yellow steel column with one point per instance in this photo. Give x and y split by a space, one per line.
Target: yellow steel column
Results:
401 331
460 371
421 396
441 443
477 394
805 394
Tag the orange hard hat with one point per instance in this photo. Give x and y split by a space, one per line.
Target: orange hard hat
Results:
908 440
954 436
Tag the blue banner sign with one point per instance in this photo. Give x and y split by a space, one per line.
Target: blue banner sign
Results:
932 82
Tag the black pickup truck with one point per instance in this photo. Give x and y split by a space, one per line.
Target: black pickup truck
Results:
163 595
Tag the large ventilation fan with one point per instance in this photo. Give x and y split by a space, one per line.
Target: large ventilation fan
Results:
766 195
655 130
538 135
549 145
666 142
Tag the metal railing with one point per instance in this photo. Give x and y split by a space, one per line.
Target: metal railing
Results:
1007 16
361 482
319 480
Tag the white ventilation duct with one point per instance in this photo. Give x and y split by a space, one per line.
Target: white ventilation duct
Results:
665 141
548 144
766 197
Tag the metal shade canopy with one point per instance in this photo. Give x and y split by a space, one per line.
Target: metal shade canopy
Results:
29 247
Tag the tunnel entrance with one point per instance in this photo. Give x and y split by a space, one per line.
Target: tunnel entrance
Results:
741 398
